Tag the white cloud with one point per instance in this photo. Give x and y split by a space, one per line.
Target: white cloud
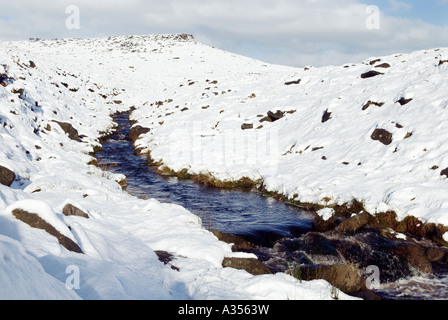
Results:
298 32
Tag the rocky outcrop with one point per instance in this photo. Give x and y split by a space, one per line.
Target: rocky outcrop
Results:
7 176
35 221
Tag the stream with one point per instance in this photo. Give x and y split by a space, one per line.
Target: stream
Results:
260 220
264 221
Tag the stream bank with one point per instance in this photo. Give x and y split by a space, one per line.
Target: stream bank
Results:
355 252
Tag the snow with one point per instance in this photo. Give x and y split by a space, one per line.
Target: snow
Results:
83 82
326 213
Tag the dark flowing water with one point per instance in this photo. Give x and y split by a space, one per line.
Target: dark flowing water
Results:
259 219
263 221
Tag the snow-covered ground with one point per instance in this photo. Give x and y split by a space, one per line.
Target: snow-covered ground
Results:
195 100
83 82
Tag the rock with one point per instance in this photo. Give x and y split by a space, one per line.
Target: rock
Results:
369 103
238 242
345 278
247 126
252 266
435 254
415 255
383 136
326 116
403 101
7 176
366 249
37 222
5 80
444 172
69 129
136 131
371 74
266 119
410 225
354 223
314 243
276 116
383 65
384 220
71 210
292 82
166 258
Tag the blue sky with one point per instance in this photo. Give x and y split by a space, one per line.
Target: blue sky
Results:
289 32
431 11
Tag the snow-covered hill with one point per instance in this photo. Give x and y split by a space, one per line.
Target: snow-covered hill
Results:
313 134
56 98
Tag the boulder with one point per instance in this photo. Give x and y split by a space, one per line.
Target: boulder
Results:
435 254
252 266
382 136
35 221
7 176
416 257
71 210
354 223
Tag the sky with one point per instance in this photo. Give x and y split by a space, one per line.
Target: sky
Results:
288 32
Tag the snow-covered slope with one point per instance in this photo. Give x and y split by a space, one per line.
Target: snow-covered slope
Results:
56 98
374 131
